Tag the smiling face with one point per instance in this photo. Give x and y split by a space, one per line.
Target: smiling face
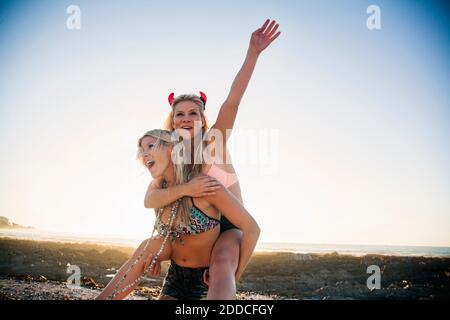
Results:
185 114
155 156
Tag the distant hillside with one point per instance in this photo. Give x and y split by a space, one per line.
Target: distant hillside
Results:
5 223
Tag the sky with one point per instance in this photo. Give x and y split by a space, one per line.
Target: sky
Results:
342 136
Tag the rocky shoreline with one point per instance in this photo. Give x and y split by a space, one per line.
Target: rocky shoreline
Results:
38 270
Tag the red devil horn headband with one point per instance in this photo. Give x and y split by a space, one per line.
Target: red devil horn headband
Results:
202 97
171 98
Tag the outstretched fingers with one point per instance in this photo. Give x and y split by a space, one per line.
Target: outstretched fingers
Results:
272 32
269 28
264 26
275 36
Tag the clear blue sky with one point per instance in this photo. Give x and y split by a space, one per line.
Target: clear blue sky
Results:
363 117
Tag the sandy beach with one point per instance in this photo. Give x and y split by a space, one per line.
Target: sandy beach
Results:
38 270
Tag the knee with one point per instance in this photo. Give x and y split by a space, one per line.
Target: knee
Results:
224 260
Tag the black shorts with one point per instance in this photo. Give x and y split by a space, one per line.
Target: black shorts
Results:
225 224
184 283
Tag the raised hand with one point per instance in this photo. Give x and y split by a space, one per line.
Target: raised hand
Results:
264 36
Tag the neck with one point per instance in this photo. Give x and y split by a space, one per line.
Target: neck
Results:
169 176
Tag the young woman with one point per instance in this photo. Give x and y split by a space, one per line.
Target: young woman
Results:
186 111
187 229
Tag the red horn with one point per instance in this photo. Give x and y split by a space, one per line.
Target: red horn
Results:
171 98
203 97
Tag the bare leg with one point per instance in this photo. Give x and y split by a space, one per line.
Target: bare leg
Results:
223 266
136 271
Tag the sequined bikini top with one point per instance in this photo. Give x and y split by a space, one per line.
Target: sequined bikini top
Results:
199 222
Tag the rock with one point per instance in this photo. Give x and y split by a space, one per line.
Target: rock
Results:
405 284
40 278
25 277
147 292
89 282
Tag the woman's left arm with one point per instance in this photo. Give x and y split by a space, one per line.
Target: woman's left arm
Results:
227 203
260 40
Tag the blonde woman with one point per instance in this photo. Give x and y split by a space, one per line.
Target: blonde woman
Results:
187 228
186 112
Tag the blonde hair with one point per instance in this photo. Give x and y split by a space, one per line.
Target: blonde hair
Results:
163 138
183 172
194 168
185 97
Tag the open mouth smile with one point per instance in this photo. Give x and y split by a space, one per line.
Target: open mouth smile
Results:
150 163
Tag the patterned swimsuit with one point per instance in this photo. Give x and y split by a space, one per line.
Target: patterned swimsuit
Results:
199 222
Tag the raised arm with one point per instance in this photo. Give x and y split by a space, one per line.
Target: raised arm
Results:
200 186
259 40
226 203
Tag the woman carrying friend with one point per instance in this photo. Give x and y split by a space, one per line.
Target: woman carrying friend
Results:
229 254
187 229
186 110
